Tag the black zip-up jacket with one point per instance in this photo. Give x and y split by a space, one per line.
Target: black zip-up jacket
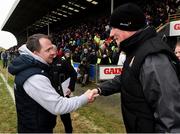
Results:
149 86
61 70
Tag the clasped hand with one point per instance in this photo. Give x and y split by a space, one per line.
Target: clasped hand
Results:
91 94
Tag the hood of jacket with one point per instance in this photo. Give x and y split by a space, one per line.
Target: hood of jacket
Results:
25 60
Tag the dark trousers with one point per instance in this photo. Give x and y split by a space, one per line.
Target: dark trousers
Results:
66 119
5 62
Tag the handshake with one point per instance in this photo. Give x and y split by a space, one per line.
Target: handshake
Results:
92 94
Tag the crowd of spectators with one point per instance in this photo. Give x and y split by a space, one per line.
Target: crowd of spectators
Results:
157 11
90 42
87 38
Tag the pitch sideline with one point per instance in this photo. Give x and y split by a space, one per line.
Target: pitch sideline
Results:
8 87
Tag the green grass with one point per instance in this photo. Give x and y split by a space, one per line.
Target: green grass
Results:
8 76
104 113
8 112
107 123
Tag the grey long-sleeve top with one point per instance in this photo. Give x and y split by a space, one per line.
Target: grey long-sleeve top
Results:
40 89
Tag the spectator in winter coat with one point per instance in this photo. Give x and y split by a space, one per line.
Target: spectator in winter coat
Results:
4 57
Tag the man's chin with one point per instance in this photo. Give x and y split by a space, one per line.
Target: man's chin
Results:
50 61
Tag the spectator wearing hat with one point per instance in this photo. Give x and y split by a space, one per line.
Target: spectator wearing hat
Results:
67 56
149 86
71 72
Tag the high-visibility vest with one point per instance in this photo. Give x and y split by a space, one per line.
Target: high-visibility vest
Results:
99 59
71 60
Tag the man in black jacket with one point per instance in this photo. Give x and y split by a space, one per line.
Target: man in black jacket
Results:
149 85
61 70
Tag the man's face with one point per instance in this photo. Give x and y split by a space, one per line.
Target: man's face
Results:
120 35
67 55
177 52
47 51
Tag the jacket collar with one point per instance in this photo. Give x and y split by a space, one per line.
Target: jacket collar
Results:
137 39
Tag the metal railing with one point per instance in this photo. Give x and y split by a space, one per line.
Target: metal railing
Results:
173 17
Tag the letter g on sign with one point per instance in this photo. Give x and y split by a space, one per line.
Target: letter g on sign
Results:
177 26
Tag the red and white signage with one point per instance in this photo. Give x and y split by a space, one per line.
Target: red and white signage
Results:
109 71
174 28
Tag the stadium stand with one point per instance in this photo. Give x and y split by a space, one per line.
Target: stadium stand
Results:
84 30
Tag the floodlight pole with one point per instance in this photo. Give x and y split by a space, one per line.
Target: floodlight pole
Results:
112 6
27 32
48 24
48 27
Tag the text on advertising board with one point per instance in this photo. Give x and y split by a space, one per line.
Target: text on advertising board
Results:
109 71
177 26
112 71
